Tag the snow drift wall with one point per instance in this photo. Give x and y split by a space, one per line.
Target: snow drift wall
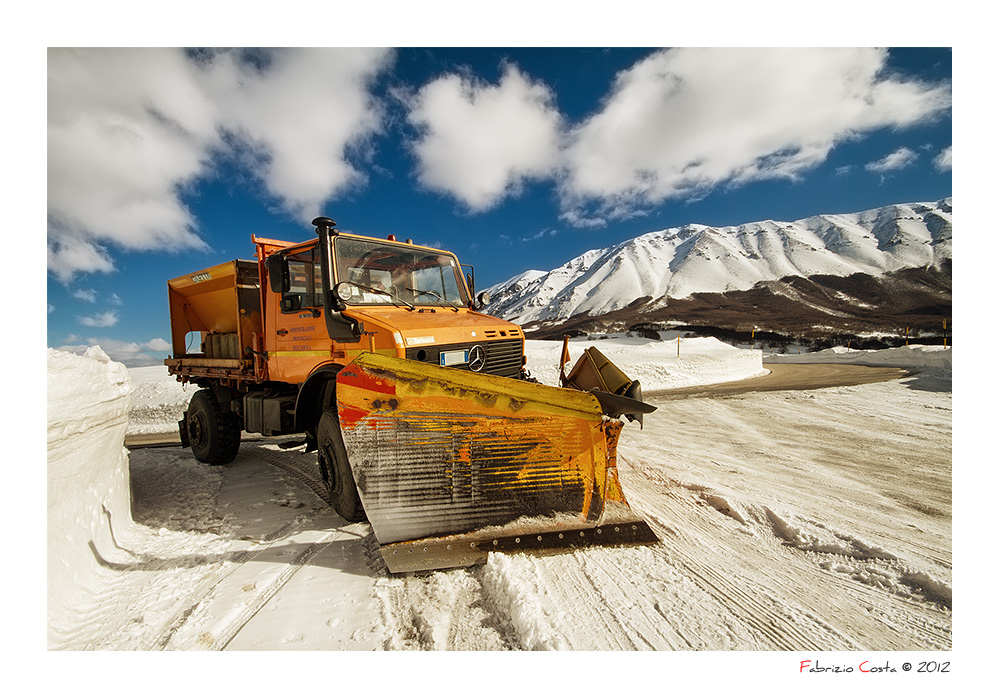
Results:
88 479
908 357
657 364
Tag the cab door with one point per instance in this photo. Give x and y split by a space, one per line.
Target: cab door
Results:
299 340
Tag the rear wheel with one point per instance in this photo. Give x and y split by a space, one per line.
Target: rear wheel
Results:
336 469
214 433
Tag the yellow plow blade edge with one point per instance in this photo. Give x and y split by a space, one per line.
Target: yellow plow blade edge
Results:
450 464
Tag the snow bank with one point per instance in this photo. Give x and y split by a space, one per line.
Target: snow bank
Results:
88 479
159 401
910 357
657 364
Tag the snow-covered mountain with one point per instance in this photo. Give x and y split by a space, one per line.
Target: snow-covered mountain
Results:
677 262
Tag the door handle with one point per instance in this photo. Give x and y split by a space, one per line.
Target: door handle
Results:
281 332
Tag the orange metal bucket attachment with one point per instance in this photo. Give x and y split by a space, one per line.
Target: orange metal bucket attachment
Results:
437 452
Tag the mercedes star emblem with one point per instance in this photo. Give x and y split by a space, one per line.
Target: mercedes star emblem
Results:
477 358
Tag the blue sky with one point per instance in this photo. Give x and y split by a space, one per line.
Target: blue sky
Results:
165 161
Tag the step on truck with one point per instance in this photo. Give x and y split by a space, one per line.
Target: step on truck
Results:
418 405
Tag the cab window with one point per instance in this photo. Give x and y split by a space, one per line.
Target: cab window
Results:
388 274
305 282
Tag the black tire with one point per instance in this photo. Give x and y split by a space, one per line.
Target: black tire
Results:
214 433
335 469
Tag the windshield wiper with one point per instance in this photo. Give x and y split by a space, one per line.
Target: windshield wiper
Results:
418 292
383 292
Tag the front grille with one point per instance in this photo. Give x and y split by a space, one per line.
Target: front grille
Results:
503 357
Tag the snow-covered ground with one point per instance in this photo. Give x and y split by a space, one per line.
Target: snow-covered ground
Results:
809 521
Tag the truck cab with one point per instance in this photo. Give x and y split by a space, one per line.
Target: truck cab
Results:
381 296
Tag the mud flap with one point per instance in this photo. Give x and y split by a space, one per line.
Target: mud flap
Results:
447 462
182 428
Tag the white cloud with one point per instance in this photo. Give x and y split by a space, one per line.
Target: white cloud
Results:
88 295
897 160
684 120
128 129
549 232
578 219
100 320
301 117
943 161
480 142
157 345
675 124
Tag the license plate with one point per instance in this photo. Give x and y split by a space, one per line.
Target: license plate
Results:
455 357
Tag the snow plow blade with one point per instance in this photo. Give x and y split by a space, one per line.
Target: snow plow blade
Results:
451 464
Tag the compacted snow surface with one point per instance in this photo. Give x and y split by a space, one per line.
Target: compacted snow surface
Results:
807 521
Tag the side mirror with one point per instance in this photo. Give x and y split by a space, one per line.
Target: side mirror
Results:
277 273
291 303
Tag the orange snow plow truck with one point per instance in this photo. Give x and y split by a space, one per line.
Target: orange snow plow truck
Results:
419 407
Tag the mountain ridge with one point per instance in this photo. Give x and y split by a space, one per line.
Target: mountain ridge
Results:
664 267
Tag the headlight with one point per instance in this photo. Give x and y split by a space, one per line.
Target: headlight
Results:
483 298
345 291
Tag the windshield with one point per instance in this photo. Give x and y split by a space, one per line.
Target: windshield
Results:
387 274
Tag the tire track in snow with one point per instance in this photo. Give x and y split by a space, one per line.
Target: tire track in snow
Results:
219 638
633 591
295 461
198 606
439 611
792 602
270 549
431 611
632 598
713 563
707 545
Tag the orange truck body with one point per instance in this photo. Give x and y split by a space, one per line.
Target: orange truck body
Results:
242 337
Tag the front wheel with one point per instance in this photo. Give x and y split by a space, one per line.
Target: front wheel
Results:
214 433
336 469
